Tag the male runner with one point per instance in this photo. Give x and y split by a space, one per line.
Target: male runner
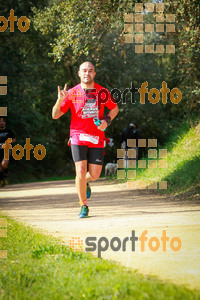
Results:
5 133
86 101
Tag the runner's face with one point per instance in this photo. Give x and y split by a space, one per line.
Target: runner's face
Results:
86 73
2 123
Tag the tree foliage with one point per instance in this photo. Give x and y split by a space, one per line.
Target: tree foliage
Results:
79 27
64 33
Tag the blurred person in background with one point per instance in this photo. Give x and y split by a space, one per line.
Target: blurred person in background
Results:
5 133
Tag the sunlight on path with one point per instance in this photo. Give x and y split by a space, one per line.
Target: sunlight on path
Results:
115 212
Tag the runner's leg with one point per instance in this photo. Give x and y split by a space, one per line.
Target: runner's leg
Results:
5 170
81 170
93 173
1 167
1 172
1 159
95 161
5 163
79 154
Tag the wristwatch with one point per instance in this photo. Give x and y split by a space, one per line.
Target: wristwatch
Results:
107 119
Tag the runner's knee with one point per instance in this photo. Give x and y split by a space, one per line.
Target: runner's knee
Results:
5 163
94 175
81 172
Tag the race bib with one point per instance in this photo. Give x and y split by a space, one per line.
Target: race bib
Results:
89 138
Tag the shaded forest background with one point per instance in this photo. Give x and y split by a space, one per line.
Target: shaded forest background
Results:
63 34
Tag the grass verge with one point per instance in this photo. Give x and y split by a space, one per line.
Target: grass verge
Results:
41 267
183 160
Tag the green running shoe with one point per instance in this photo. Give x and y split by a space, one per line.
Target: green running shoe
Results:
88 191
84 211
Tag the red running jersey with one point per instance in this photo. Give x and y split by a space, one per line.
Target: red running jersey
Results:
86 105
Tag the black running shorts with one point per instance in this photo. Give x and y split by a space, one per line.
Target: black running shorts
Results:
92 155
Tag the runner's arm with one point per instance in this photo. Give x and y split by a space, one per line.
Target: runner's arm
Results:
112 114
56 111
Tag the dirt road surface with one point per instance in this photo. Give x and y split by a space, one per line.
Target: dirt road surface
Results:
116 211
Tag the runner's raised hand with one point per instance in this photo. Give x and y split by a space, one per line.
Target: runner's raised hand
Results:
62 94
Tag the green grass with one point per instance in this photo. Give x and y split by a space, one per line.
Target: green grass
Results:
53 178
42 267
183 158
27 179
